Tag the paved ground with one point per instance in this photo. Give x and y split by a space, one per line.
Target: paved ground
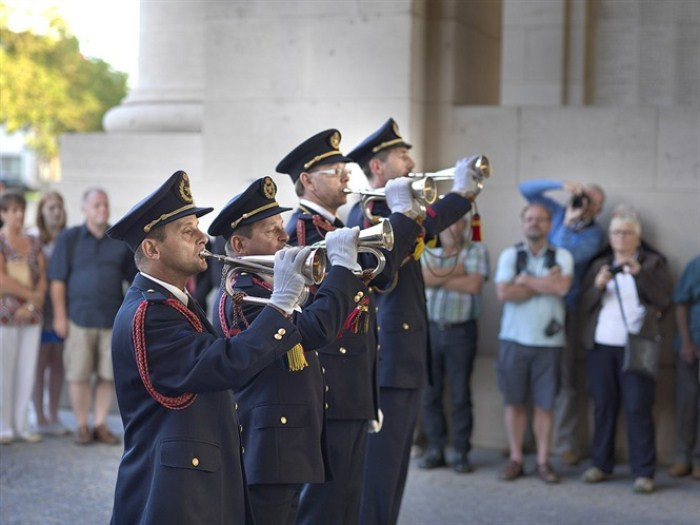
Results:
57 482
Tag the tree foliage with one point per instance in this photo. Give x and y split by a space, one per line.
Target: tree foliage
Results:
47 87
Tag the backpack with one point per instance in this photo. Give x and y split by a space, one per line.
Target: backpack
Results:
521 260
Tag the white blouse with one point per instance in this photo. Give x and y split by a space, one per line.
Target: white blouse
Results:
610 329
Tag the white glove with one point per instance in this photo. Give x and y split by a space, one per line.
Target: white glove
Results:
375 425
466 176
341 247
399 197
288 283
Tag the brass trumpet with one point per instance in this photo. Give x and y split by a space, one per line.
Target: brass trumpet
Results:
424 190
483 167
314 270
370 240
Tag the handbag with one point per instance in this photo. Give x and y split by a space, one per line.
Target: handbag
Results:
18 269
641 352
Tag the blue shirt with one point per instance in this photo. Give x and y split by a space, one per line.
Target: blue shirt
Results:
688 291
94 271
583 244
525 322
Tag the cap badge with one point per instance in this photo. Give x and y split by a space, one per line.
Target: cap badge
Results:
269 188
184 188
335 140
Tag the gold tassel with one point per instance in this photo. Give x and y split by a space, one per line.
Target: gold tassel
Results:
296 358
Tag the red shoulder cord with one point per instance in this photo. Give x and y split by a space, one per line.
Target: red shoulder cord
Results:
321 224
139 339
238 317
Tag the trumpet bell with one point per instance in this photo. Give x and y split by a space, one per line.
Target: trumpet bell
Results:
381 235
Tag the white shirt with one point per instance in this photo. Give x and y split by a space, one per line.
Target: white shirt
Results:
610 329
181 295
323 212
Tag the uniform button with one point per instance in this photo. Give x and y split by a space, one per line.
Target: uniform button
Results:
323 370
281 331
379 347
242 449
283 420
379 328
150 290
195 462
405 326
278 337
376 308
361 294
235 405
244 273
316 352
326 406
326 388
342 350
240 428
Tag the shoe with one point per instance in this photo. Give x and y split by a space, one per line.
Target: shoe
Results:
594 475
83 436
103 435
643 485
433 459
416 451
461 464
679 470
30 437
512 470
569 457
547 474
696 472
6 440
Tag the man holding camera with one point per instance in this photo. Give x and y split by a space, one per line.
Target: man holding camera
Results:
531 280
574 229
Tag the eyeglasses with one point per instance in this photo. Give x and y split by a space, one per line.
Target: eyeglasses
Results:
337 172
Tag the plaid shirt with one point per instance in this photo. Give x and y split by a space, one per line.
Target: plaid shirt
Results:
446 306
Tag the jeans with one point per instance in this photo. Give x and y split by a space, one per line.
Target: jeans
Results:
453 350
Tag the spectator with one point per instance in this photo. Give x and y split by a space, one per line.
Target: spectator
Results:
87 273
687 299
50 220
574 229
531 280
454 304
628 276
22 291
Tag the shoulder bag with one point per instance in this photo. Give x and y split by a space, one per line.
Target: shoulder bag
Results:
641 352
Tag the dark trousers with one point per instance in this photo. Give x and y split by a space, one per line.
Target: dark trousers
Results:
338 501
274 504
610 387
453 350
687 412
388 454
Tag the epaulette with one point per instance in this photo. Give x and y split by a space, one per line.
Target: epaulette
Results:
153 296
244 280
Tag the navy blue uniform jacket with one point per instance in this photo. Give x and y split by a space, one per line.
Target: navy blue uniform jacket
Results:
402 315
184 466
351 360
282 411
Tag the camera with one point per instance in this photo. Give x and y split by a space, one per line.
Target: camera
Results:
580 201
552 328
616 269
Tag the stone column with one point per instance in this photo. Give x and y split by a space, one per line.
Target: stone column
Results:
169 93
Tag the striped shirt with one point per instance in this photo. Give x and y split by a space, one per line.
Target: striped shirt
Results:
447 306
